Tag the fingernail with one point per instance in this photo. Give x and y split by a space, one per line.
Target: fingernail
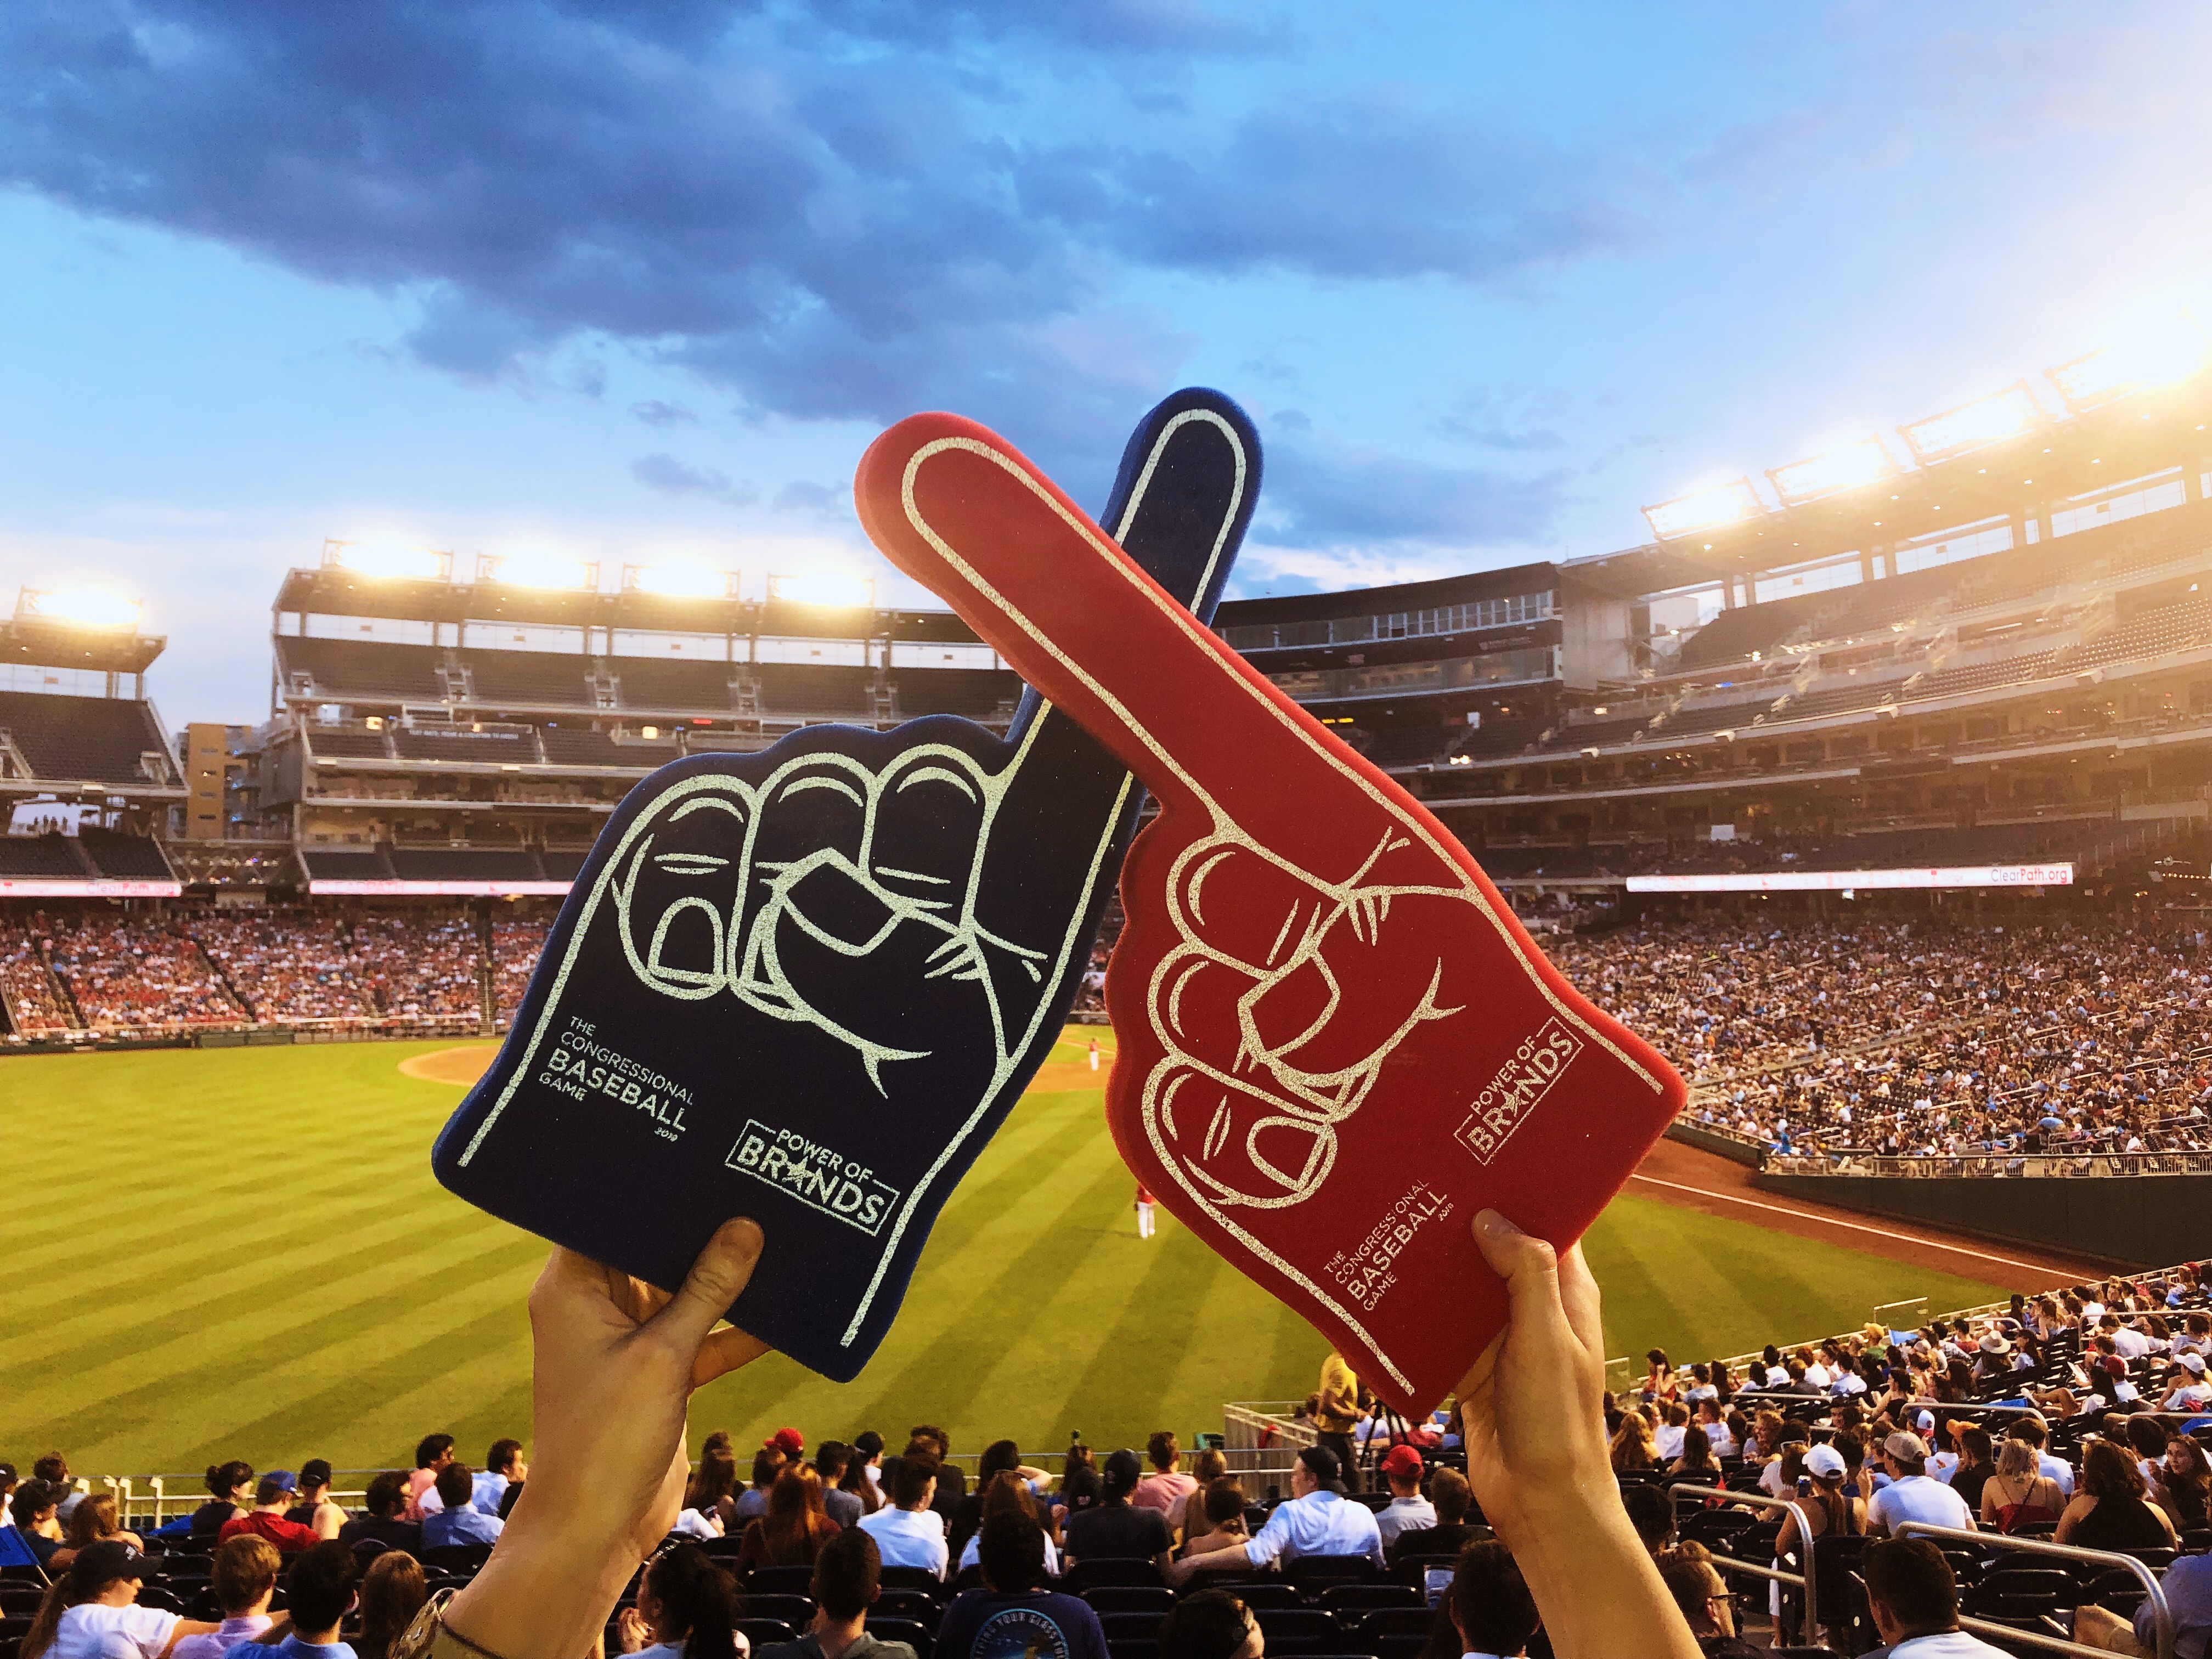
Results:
1491 1224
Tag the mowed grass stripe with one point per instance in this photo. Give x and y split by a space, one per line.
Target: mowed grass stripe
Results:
269 1271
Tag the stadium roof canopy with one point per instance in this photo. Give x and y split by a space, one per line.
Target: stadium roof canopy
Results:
35 642
2052 460
332 590
1399 597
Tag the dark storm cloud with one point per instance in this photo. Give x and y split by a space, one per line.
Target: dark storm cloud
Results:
810 207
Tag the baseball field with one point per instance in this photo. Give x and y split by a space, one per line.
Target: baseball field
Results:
242 1253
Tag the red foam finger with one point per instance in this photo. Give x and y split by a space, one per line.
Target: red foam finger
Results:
1336 1042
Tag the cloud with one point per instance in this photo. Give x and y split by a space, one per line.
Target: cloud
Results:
670 477
813 501
1320 494
822 210
655 412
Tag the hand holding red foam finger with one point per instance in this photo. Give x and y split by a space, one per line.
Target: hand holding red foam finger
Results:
1335 1042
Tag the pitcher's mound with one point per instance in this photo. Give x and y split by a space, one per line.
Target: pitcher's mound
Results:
462 1066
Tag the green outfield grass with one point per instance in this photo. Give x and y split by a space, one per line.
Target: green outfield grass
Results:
242 1253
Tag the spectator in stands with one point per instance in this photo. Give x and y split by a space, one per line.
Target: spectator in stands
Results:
909 1533
1001 1456
1667 1436
1632 1447
1220 1509
848 1579
2184 1484
1697 1587
94 1519
320 1592
457 1521
615 1362
1407 1512
687 1608
391 1593
1976 1463
2186 1389
232 1483
795 1528
859 1479
2019 1494
2032 1430
1824 1510
1914 1599
713 1490
91 1611
1206 1468
1210 1624
1008 1494
753 1503
1489 1604
1450 1494
35 1509
1166 1485
1114 1528
503 1467
1013 1615
1317 1521
1697 1462
1911 1495
266 1518
831 1460
386 1500
432 1453
2108 1513
1336 1411
314 1506
53 1468
243 1576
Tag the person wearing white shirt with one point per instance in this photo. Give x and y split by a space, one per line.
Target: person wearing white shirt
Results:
102 1618
1914 1600
907 1532
1668 1437
1717 1435
1407 1511
1317 1521
2130 1343
1911 1495
2190 1392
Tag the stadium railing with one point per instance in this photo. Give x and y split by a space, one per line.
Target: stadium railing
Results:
2161 1615
1264 1436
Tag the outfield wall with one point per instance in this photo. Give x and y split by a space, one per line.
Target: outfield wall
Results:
2132 1221
1705 1140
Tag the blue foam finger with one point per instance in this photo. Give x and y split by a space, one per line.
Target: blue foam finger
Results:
807 985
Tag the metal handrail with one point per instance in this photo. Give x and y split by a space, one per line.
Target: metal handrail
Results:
2160 1611
1777 1574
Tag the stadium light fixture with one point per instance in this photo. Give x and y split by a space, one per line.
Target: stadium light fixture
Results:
680 579
79 607
835 588
535 569
2157 352
1705 509
389 561
1831 470
1987 419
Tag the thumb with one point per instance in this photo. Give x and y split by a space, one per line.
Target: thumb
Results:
1530 1268
723 1269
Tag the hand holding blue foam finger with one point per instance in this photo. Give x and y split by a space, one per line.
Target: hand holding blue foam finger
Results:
807 985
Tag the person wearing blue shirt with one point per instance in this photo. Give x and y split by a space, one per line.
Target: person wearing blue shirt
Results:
503 1467
1012 1616
460 1521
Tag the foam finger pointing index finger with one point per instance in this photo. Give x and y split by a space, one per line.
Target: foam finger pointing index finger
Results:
960 510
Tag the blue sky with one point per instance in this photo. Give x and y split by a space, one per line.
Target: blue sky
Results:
642 277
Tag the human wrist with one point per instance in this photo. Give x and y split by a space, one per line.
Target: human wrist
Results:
547 1589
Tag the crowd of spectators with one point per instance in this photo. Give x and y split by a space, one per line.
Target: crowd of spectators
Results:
1877 1037
122 975
515 947
100 971
2079 1418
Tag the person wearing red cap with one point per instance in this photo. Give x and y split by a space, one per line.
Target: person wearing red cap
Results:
789 1442
1407 1511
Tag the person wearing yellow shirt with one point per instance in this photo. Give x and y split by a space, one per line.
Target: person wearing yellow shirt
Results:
1336 1414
